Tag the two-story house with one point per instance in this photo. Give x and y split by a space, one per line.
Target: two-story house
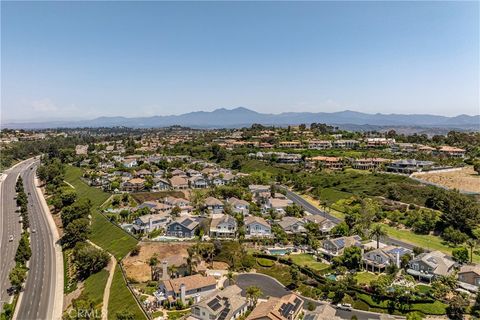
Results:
288 307
223 226
335 247
469 277
257 227
187 287
292 225
378 259
214 205
226 304
428 265
238 205
324 225
150 222
183 227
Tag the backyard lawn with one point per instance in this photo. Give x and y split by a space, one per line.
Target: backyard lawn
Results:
308 260
104 233
365 277
121 299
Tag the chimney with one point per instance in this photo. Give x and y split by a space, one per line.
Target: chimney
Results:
165 275
182 292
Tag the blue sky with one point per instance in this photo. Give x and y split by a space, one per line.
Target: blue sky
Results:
87 59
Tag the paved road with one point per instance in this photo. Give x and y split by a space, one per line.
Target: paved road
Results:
296 198
272 288
9 224
39 294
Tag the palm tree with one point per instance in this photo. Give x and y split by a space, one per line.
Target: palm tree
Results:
152 262
472 244
253 293
377 232
230 278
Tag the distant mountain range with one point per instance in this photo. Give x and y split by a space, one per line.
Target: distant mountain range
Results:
241 117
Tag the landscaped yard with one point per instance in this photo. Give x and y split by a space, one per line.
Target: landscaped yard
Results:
177 314
121 299
277 271
104 233
365 277
308 260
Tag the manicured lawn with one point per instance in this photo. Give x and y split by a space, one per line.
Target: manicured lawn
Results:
267 263
330 210
121 298
429 242
95 286
173 315
435 308
104 233
365 277
307 260
332 195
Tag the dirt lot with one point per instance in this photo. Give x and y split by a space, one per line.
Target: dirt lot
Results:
465 179
137 267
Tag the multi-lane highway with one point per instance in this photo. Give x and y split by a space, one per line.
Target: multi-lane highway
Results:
38 297
10 225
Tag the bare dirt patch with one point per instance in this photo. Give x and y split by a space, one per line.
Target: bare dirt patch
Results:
137 267
465 179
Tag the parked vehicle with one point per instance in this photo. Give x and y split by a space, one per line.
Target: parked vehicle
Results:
344 306
10 238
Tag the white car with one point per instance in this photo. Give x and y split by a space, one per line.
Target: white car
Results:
34 230
10 238
344 306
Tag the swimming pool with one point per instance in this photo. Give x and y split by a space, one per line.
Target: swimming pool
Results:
278 251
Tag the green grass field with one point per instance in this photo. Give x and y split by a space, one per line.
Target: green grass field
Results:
94 287
332 195
104 233
121 298
435 308
429 242
365 277
307 260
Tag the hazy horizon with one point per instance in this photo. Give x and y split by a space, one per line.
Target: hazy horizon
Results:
83 60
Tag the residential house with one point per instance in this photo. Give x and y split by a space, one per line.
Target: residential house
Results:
429 265
238 205
214 205
335 247
187 287
160 184
324 225
367 163
322 312
178 183
408 166
469 277
319 144
333 163
183 204
143 173
198 182
178 173
345 144
223 226
379 259
292 225
290 144
150 222
257 227
379 142
130 163
278 205
226 304
288 307
451 152
183 227
134 185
